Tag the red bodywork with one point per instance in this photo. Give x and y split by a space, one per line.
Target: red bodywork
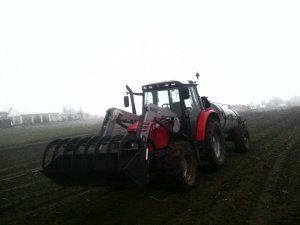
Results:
202 120
158 135
133 127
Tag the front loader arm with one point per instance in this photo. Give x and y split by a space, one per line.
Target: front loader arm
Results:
151 114
116 116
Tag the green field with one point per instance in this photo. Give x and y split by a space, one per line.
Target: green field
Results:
20 135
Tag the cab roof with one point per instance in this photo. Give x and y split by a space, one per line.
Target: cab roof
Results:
165 84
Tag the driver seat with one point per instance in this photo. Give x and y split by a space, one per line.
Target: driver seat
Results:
176 108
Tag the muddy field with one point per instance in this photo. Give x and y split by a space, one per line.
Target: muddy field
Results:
258 187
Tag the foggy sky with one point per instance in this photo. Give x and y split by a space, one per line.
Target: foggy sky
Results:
82 53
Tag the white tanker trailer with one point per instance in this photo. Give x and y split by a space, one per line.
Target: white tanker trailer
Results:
233 125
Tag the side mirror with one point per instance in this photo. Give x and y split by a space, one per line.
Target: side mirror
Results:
184 92
205 102
126 101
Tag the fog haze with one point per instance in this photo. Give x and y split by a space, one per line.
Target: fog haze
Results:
82 53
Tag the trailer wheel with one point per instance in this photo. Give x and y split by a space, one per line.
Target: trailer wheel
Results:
181 166
241 139
214 144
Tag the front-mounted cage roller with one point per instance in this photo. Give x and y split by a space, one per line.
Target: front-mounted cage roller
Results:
101 159
96 161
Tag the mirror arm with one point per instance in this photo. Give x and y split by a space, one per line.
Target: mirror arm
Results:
131 99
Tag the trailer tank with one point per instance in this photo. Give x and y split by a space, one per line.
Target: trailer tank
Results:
229 118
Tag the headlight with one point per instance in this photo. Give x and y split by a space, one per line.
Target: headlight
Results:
134 145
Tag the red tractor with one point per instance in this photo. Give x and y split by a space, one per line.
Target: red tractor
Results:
177 131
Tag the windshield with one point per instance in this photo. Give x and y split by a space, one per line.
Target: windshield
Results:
162 98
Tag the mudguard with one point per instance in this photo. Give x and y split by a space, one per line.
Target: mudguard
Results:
202 120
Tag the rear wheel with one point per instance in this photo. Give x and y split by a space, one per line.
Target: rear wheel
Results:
181 166
214 144
241 139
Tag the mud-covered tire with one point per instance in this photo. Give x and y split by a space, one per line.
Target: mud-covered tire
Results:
241 139
214 144
181 166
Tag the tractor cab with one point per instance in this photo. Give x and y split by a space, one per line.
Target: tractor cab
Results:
182 99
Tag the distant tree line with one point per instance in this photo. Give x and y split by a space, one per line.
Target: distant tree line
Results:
277 102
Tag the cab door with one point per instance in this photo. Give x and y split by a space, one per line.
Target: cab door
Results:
192 110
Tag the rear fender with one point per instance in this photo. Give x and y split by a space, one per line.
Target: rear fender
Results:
202 120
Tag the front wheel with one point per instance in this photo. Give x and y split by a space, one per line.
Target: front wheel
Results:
214 144
181 166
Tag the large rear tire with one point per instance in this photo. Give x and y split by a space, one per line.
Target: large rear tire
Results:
181 166
214 144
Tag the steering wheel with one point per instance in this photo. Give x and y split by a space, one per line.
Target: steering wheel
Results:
165 105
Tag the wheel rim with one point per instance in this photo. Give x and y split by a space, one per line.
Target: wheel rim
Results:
246 141
187 168
216 146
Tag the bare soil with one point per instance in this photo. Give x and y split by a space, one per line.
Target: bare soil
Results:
258 187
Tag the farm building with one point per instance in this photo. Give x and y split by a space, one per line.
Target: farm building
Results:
15 118
10 118
41 118
4 121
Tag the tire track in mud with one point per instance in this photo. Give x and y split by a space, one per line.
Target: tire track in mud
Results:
22 186
27 145
49 206
16 187
18 167
25 192
19 187
37 196
23 189
272 150
16 203
36 206
262 211
20 174
287 195
259 146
